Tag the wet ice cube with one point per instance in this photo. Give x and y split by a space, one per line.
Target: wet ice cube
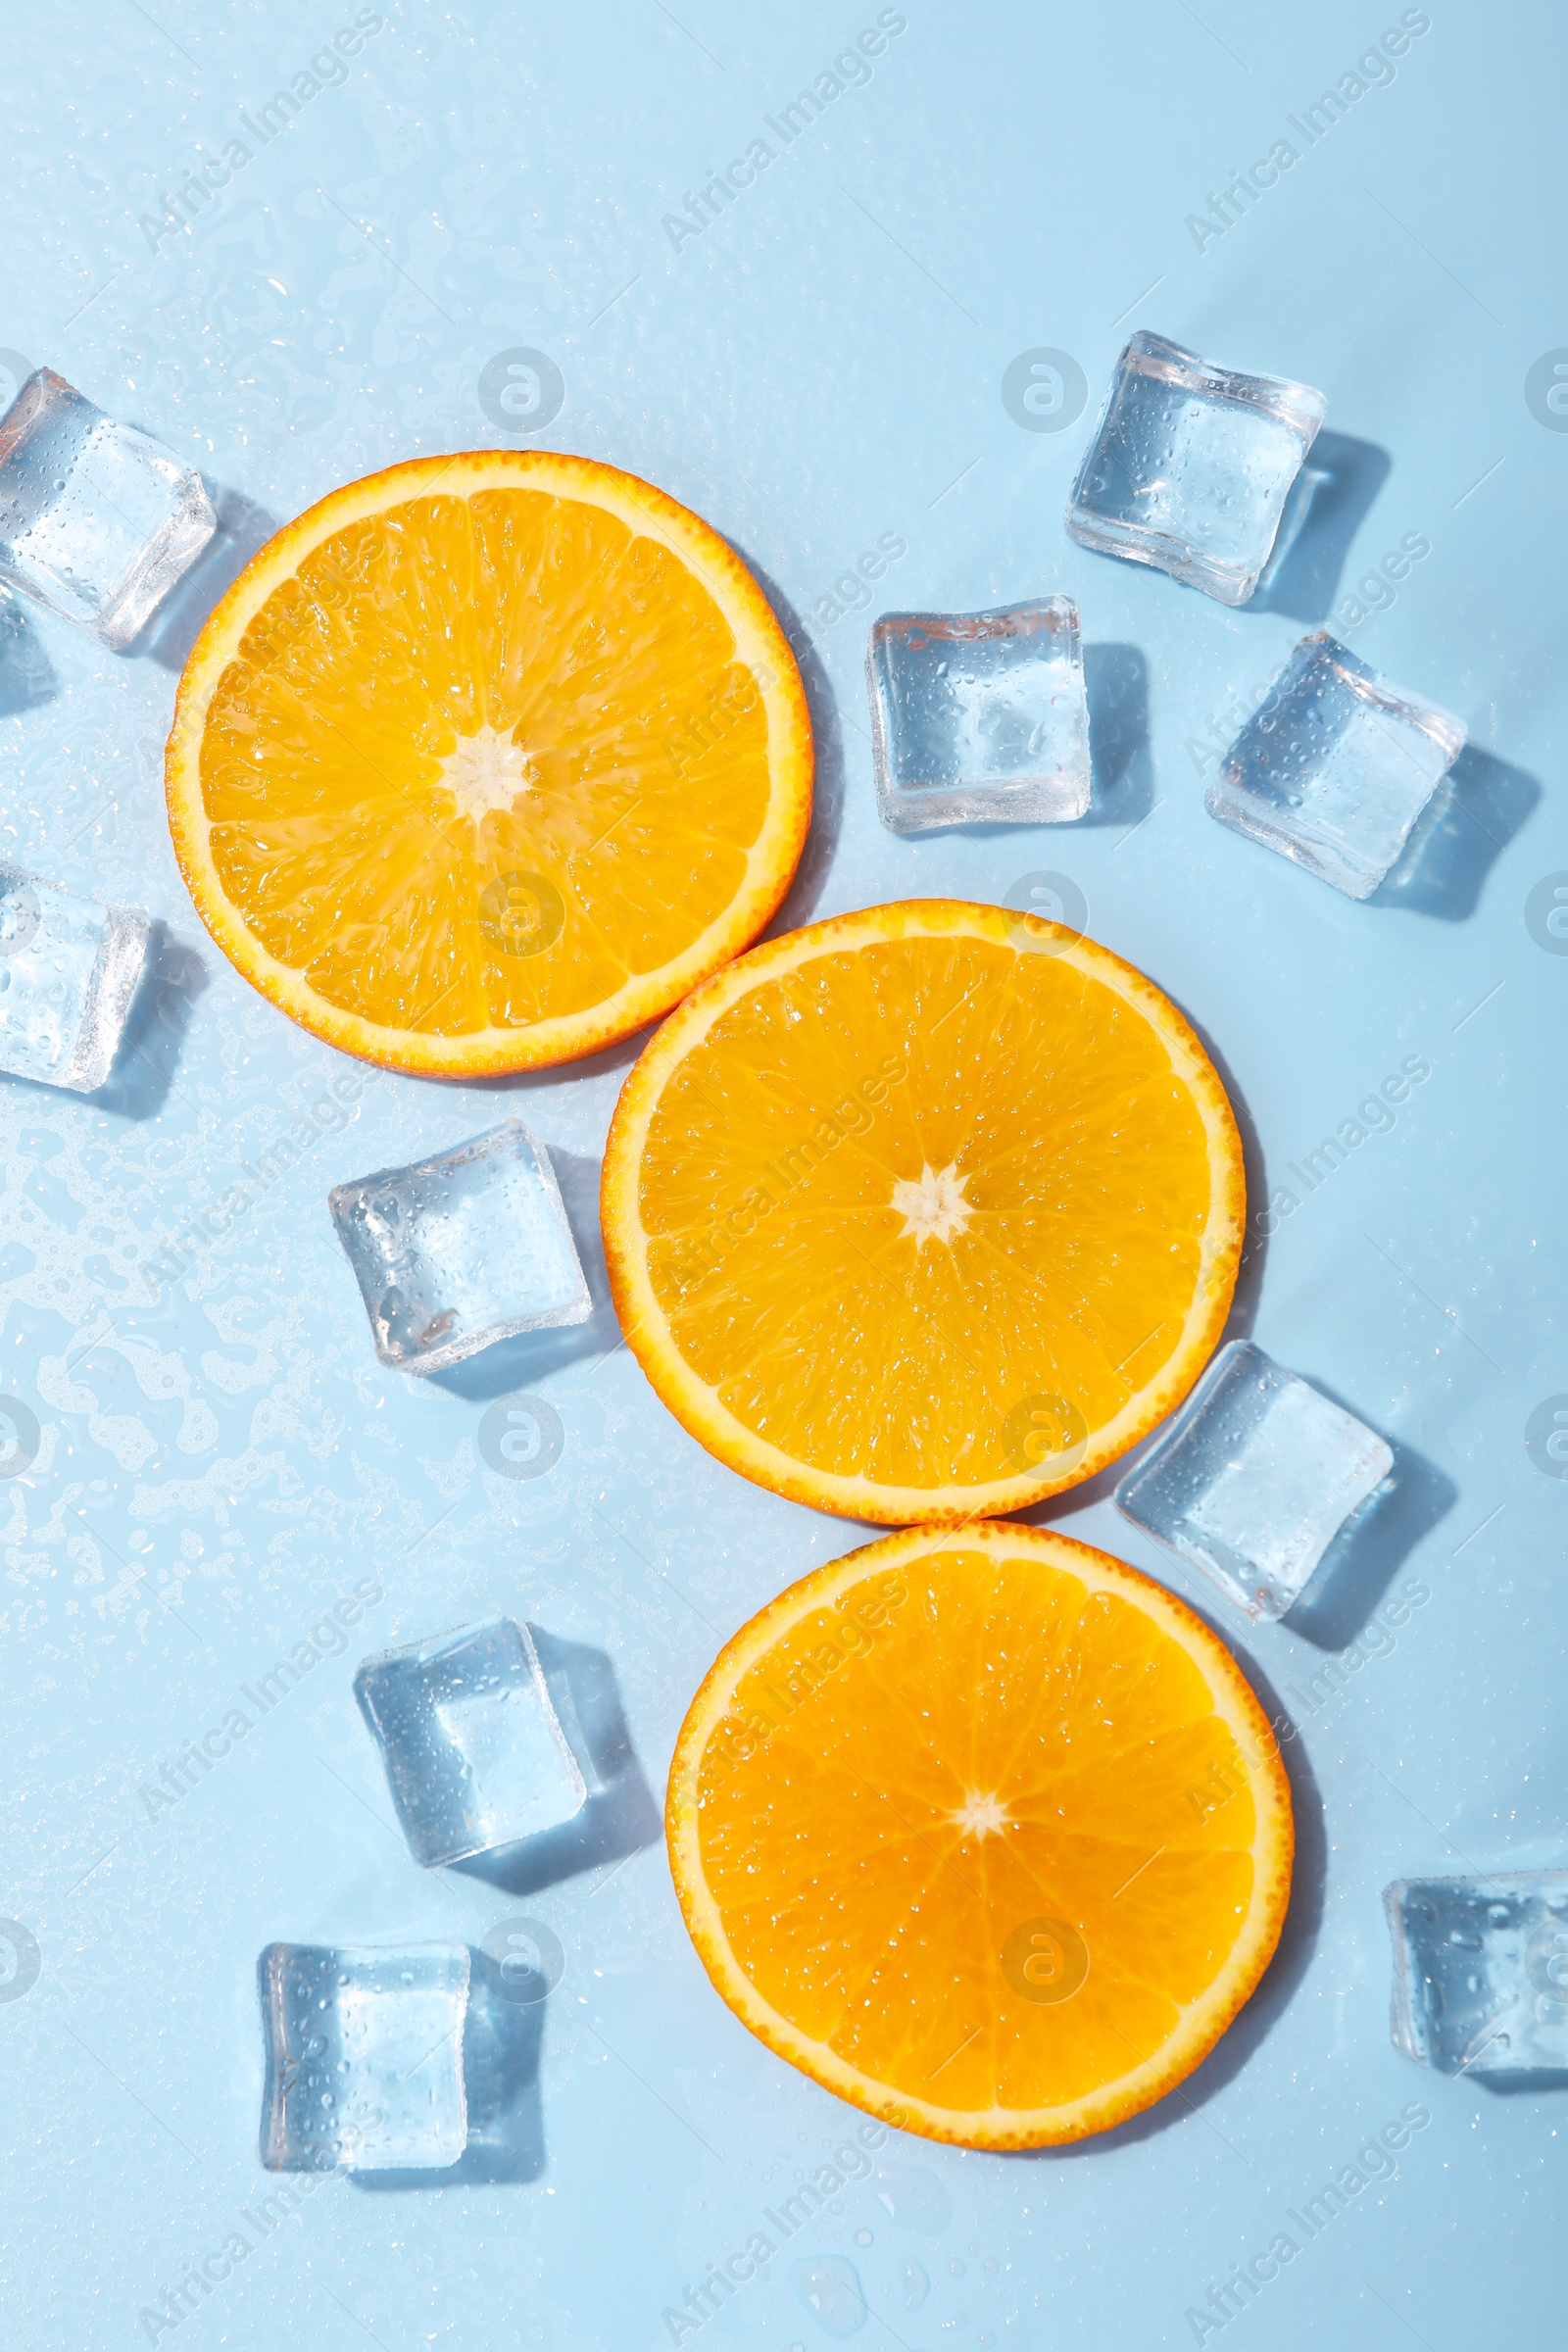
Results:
97 520
1480 1971
475 1753
1191 466
364 2057
1334 766
458 1252
1302 497
1253 1479
979 717
68 969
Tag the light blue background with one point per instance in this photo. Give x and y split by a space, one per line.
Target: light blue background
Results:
820 368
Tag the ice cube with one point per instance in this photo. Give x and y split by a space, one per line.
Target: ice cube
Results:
97 520
458 1252
68 969
1253 1479
364 2057
1191 465
1334 766
475 1753
979 717
1480 1971
1300 499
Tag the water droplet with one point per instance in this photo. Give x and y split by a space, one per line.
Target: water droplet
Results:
830 2288
916 2286
863 2238
915 2199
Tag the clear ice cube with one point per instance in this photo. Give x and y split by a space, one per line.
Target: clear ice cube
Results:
364 2057
979 717
475 1753
1191 465
1480 1971
1253 1479
458 1252
68 969
97 520
1302 497
1334 766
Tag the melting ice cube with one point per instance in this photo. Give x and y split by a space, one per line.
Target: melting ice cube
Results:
1480 1971
1335 768
1191 466
475 1752
1253 1479
97 520
458 1252
979 717
68 969
364 2057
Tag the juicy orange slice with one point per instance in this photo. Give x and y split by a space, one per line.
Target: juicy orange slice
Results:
923 1212
982 1831
486 759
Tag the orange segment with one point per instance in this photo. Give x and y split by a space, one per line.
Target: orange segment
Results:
485 761
923 1212
982 1831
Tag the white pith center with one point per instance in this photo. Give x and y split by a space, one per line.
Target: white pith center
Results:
486 773
932 1205
980 1816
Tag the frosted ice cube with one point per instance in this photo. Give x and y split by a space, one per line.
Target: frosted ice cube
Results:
364 2057
1253 1479
476 1756
1334 766
458 1252
97 520
1191 465
1480 1971
979 717
68 969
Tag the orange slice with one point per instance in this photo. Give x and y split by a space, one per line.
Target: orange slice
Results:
486 761
923 1212
982 1831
